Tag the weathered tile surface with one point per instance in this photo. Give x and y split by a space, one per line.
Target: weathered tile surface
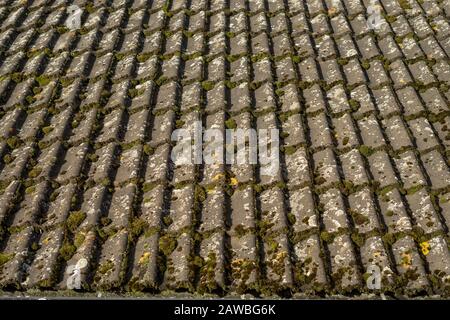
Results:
87 117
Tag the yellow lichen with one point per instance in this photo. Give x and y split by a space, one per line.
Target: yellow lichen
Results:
332 11
425 247
234 181
218 176
406 260
144 258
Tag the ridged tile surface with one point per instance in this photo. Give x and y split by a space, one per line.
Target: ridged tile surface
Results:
87 116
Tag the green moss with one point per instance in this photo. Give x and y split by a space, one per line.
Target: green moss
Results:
148 186
43 144
296 59
67 251
37 90
418 233
208 85
90 8
53 196
105 233
366 150
169 15
106 182
8 158
167 220
16 229
119 56
92 157
179 123
137 227
389 238
345 141
105 267
35 172
320 180
13 142
231 124
30 190
161 80
354 105
4 258
240 230
43 80
79 239
281 185
148 150
258 188
75 124
105 221
342 61
229 84
66 82
289 150
430 224
191 56
358 239
188 34
273 245
258 57
230 34
151 231
404 4
133 93
390 19
207 273
359 218
326 236
167 244
199 194
383 191
142 57
62 29
16 77
27 183
366 276
365 65
283 117
233 58
75 219
198 261
291 218
414 189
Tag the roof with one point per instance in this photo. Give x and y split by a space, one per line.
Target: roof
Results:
89 188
